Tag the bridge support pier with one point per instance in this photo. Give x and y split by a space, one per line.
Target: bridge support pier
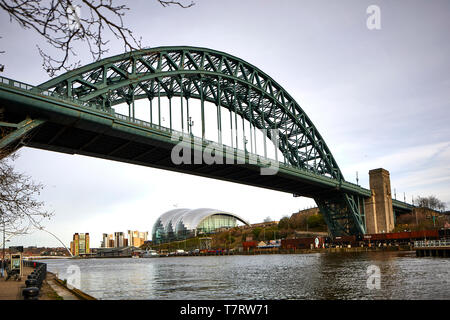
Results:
344 214
379 210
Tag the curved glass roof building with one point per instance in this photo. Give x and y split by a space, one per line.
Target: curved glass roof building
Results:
180 224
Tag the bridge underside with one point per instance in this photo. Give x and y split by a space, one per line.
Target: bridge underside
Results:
74 113
119 146
118 140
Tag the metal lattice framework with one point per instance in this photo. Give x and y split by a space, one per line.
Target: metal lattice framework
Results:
229 83
207 75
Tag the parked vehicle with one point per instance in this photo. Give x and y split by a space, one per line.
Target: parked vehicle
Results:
150 254
181 252
164 253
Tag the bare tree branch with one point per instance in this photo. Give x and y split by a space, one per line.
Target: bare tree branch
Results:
168 3
65 23
19 209
431 202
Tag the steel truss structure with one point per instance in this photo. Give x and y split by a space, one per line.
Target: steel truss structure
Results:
232 85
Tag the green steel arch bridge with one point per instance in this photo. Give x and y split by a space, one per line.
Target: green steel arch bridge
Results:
75 113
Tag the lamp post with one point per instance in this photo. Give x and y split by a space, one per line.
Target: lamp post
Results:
190 124
245 144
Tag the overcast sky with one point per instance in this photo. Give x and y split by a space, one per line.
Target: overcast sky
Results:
380 98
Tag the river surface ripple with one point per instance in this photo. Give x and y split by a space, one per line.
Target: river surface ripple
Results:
278 276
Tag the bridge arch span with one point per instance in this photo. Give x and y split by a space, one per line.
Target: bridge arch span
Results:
61 109
208 76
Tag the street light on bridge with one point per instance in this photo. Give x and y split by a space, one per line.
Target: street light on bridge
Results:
190 125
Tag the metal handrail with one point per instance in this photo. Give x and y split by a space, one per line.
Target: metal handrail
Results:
432 243
52 94
90 105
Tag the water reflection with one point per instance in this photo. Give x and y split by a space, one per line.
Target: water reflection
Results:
297 276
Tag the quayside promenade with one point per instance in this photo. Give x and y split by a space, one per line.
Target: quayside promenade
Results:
51 289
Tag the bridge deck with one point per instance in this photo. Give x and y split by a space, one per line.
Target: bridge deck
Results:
76 128
49 120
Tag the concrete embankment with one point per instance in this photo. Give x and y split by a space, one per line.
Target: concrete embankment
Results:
328 250
275 250
63 291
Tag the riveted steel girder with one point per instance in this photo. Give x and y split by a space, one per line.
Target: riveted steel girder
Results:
226 81
11 140
208 75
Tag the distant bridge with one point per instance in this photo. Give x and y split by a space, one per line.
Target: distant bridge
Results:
75 113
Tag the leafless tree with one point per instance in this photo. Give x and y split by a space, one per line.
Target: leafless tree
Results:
431 202
20 211
61 24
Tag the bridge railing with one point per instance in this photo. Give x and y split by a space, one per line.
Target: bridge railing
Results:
213 144
197 140
90 105
15 83
432 243
52 94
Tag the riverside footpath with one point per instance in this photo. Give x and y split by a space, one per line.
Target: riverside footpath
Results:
52 288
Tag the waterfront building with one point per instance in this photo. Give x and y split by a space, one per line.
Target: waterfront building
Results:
136 238
107 241
104 243
119 240
116 252
80 244
110 241
180 224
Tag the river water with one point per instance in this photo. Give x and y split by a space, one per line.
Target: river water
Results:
363 275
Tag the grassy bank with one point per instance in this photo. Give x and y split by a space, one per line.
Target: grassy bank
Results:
234 237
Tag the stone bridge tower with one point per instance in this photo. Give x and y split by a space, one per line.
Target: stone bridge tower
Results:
378 208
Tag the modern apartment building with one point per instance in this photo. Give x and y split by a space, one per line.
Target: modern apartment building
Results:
119 239
80 244
136 238
107 241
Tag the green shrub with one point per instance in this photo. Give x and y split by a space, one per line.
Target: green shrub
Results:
315 221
